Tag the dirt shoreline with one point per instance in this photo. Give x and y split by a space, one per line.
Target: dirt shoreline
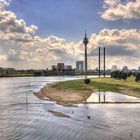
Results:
63 97
129 92
70 97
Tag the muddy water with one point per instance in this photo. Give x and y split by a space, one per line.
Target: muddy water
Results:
32 121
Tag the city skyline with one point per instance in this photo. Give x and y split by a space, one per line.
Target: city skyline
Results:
36 34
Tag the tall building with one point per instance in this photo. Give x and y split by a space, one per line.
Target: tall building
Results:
125 69
114 68
60 66
80 65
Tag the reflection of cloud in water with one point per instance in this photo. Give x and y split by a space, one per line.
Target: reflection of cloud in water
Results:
111 97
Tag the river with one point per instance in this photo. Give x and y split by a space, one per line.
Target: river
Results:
32 121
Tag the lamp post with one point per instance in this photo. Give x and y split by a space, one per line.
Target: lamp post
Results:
104 62
85 41
99 61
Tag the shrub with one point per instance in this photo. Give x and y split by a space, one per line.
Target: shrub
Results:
87 81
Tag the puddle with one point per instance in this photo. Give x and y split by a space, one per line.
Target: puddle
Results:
111 97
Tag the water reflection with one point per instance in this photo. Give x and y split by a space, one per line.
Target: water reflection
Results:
108 122
111 97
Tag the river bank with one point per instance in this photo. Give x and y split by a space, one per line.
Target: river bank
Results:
63 97
75 91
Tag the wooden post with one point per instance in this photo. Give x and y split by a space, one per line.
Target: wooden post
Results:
104 98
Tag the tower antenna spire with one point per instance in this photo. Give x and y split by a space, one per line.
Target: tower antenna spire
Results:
85 33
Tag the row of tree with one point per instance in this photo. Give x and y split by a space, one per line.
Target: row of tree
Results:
120 75
124 76
137 77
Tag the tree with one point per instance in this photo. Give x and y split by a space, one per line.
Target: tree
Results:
115 74
124 76
119 75
129 74
137 77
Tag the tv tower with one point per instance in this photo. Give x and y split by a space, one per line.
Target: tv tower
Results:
85 41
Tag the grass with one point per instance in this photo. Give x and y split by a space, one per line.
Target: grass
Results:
129 83
17 75
72 85
103 84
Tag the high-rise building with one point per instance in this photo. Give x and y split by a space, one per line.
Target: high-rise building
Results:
125 69
60 66
114 68
80 65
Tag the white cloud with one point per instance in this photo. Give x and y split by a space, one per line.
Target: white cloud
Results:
20 47
125 38
20 43
5 2
122 46
115 9
12 28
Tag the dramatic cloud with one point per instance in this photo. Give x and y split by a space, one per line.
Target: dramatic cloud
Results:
127 39
42 48
20 43
122 46
13 27
20 47
115 9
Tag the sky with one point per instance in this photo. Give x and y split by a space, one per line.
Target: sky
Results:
36 34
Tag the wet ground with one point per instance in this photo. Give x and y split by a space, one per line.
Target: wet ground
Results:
32 121
111 97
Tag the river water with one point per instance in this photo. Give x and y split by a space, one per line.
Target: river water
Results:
32 121
111 97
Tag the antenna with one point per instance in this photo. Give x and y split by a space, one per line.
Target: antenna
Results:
85 33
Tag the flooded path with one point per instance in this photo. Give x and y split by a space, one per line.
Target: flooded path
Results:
32 121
